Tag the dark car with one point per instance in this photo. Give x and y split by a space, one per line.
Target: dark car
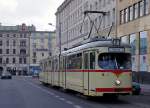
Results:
136 88
6 76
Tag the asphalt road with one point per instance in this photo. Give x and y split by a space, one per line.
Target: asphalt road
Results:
26 92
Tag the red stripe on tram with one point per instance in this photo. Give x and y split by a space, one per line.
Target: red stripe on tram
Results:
129 89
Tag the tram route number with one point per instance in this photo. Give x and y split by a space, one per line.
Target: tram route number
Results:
116 50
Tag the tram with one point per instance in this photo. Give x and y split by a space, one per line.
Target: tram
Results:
96 68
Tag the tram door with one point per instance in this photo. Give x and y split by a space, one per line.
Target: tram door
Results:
89 64
64 68
86 73
62 71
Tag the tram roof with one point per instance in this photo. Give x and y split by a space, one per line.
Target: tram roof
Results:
94 44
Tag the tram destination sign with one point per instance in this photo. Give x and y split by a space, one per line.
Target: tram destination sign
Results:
116 50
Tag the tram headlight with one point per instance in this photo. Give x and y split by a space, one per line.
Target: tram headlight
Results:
117 82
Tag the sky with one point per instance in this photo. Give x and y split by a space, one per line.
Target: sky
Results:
36 12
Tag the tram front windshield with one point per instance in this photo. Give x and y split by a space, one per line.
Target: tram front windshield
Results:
114 61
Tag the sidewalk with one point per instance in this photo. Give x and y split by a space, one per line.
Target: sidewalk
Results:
145 88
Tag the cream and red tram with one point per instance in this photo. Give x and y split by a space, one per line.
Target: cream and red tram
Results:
93 69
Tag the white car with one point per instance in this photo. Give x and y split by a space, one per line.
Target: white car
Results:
6 76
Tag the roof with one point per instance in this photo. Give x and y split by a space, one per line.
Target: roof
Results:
94 44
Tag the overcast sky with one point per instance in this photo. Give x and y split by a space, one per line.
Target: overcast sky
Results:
36 12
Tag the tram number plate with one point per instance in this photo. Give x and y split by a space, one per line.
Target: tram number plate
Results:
116 49
118 89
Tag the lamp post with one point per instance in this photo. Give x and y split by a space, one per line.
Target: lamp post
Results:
58 34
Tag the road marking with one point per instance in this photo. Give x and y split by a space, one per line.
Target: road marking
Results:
57 96
51 93
77 106
69 102
61 99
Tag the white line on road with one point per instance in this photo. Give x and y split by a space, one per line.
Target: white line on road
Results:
57 96
77 106
61 99
69 102
50 93
53 94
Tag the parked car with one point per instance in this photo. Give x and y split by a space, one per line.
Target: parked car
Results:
6 76
136 88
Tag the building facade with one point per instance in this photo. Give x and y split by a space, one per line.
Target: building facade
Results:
70 28
134 28
14 48
40 48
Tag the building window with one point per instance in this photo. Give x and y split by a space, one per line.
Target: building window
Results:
25 35
23 51
1 51
7 60
104 3
14 51
25 60
125 39
7 35
143 43
20 35
14 60
14 43
136 10
131 13
7 42
96 5
114 15
34 54
1 60
133 42
20 60
146 6
14 35
7 51
1 35
141 4
42 54
23 43
108 19
1 42
122 17
126 14
100 3
34 61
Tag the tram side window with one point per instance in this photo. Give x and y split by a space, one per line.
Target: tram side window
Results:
49 65
56 65
75 61
86 61
61 64
53 64
64 63
92 60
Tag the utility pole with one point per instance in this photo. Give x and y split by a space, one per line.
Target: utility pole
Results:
116 14
60 38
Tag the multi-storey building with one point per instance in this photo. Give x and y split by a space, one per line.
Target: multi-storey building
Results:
40 48
14 48
134 27
70 16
